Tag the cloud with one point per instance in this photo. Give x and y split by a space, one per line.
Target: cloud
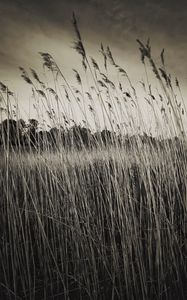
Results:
115 22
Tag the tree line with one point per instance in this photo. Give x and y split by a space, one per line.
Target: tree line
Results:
19 135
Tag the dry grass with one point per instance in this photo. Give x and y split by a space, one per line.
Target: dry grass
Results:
108 223
94 225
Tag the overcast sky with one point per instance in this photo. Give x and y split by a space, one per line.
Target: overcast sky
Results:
30 26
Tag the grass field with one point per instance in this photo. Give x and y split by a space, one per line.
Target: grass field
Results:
94 225
102 222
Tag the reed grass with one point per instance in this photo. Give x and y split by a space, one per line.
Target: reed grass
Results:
107 222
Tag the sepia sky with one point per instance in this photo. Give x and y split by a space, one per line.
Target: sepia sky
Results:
30 26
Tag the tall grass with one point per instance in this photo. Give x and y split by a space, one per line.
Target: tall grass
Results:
102 223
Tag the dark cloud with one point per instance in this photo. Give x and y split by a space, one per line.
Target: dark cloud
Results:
116 22
122 17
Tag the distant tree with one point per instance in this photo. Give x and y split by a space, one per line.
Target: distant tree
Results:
107 137
86 136
33 123
43 140
54 135
11 132
78 137
32 133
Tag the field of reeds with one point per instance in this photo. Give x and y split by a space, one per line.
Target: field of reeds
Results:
95 209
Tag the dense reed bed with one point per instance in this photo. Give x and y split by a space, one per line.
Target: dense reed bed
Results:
106 225
102 222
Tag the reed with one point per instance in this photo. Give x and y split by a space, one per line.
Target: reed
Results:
104 218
